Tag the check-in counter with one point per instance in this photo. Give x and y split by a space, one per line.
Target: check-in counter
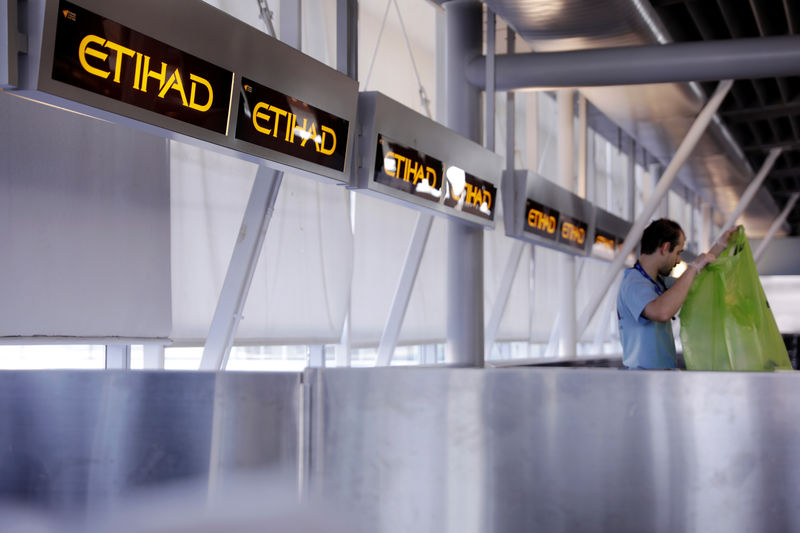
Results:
424 449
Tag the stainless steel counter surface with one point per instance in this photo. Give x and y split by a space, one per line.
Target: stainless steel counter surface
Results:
80 440
459 450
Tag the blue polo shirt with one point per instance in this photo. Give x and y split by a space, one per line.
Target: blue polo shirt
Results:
645 343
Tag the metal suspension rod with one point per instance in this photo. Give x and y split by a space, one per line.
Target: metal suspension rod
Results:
751 190
631 240
775 225
764 57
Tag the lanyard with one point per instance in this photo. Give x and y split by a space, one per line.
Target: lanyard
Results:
659 289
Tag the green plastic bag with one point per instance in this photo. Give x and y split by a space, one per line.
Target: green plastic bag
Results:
726 322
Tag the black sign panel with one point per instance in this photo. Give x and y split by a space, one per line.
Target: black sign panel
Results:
572 232
104 57
408 170
540 220
469 194
605 241
279 122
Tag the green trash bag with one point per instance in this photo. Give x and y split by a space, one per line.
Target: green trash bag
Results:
726 322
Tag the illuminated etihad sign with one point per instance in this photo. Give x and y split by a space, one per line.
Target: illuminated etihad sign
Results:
420 175
605 242
572 232
541 220
273 120
539 211
102 56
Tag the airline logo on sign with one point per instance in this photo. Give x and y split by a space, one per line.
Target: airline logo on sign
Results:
572 232
415 173
408 170
541 220
273 120
99 55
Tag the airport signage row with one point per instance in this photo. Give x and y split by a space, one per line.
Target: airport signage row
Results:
541 212
255 97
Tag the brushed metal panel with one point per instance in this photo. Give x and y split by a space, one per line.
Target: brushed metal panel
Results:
432 450
78 441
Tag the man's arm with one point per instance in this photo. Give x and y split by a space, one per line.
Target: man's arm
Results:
722 243
667 305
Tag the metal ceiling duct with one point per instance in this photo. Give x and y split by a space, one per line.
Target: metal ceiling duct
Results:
656 115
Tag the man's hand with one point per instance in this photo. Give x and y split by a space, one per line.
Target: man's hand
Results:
722 242
701 261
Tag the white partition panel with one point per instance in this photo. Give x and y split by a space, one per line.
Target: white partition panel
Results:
300 288
84 226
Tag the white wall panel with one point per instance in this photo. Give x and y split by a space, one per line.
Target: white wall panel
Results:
300 288
84 226
382 235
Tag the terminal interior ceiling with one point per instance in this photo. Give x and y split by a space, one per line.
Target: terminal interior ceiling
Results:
759 115
762 113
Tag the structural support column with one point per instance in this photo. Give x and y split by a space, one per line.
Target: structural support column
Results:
463 36
153 357
290 23
567 340
347 37
632 180
241 268
583 130
775 225
118 356
751 190
632 239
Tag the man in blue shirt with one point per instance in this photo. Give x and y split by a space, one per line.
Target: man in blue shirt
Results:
649 297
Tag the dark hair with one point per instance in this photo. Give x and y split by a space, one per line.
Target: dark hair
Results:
658 232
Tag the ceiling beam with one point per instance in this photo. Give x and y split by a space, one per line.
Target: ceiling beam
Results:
785 172
762 113
786 145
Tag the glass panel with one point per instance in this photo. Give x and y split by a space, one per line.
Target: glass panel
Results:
43 357
137 357
268 358
183 358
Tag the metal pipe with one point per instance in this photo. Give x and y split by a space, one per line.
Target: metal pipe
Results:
763 57
568 339
464 33
242 265
490 92
751 190
631 240
775 226
391 330
582 145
